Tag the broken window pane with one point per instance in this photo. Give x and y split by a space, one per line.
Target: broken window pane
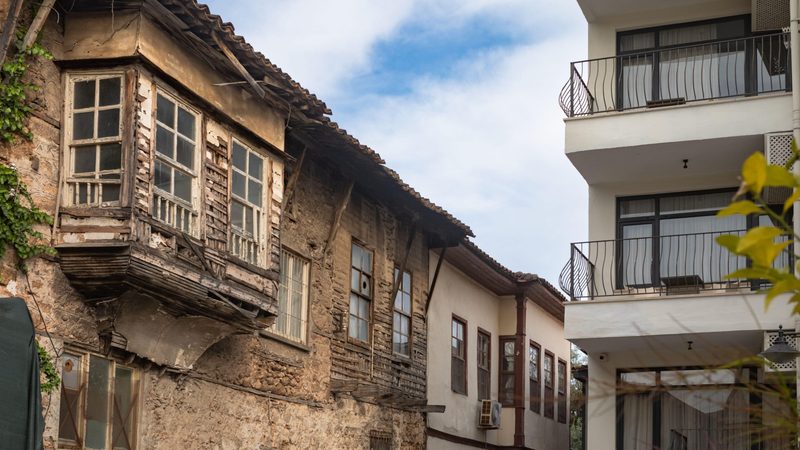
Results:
123 409
84 94
109 91
70 407
83 125
108 123
97 413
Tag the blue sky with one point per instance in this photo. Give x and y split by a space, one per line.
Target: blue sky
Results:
459 96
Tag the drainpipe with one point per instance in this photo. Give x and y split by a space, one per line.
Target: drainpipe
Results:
519 373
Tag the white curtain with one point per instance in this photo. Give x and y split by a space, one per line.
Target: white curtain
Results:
638 425
705 419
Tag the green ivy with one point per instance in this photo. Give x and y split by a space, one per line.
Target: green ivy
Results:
18 216
48 369
14 108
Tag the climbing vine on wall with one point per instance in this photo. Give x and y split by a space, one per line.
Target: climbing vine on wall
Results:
14 108
48 370
18 216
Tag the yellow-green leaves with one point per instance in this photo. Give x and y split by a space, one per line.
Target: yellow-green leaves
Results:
758 244
790 201
779 177
743 207
754 172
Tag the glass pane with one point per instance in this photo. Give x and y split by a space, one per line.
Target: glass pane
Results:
123 409
688 247
109 91
110 156
354 279
165 111
256 169
353 327
687 35
237 215
406 303
185 154
637 208
97 413
363 309
183 185
706 418
406 282
108 123
637 412
110 193
186 123
637 255
248 219
165 142
85 159
83 125
163 177
84 94
404 325
238 184
363 330
254 192
356 256
239 156
637 80
695 203
366 261
638 41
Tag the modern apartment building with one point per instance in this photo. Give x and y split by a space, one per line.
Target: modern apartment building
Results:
672 97
497 358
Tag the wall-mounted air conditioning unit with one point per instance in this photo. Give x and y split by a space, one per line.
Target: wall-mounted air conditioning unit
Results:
769 15
778 151
769 339
489 415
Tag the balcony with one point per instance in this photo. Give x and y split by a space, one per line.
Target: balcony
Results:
677 75
681 264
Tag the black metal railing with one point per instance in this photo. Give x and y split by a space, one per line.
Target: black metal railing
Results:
676 75
677 264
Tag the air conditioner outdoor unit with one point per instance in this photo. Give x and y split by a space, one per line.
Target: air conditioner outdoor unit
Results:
769 15
778 151
489 416
769 339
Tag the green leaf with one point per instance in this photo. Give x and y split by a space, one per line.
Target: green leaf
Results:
743 207
781 287
764 254
779 177
754 172
790 201
757 236
729 241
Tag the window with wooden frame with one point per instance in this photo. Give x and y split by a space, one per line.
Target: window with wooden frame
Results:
458 355
562 391
549 378
508 356
292 317
248 204
401 320
360 293
175 169
94 139
99 398
534 376
484 350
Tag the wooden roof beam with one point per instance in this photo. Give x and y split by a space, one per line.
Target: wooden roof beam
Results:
238 65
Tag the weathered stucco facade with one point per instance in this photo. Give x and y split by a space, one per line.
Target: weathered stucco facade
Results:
171 300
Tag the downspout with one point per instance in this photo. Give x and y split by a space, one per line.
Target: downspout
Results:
519 374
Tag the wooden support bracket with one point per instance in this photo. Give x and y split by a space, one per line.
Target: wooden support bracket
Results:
404 260
288 192
8 28
38 23
337 216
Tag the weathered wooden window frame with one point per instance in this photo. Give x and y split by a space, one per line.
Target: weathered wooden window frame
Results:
505 374
535 377
94 186
368 296
549 390
194 206
79 414
306 282
454 359
484 370
399 312
561 375
258 241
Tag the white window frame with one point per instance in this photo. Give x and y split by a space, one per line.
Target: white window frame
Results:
243 245
79 413
93 186
286 290
161 199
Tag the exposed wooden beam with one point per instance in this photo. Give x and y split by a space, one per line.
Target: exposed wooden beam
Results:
403 260
435 277
337 216
9 27
238 65
38 22
288 191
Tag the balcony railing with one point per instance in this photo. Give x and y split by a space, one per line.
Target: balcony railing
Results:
665 265
676 75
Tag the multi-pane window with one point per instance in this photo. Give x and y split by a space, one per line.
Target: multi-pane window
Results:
360 292
98 403
175 168
508 355
484 365
292 298
549 392
402 316
534 373
94 138
458 356
247 203
562 391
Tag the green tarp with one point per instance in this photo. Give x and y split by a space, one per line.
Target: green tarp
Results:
21 422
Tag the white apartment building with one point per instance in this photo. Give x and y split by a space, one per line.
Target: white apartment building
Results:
495 341
672 97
